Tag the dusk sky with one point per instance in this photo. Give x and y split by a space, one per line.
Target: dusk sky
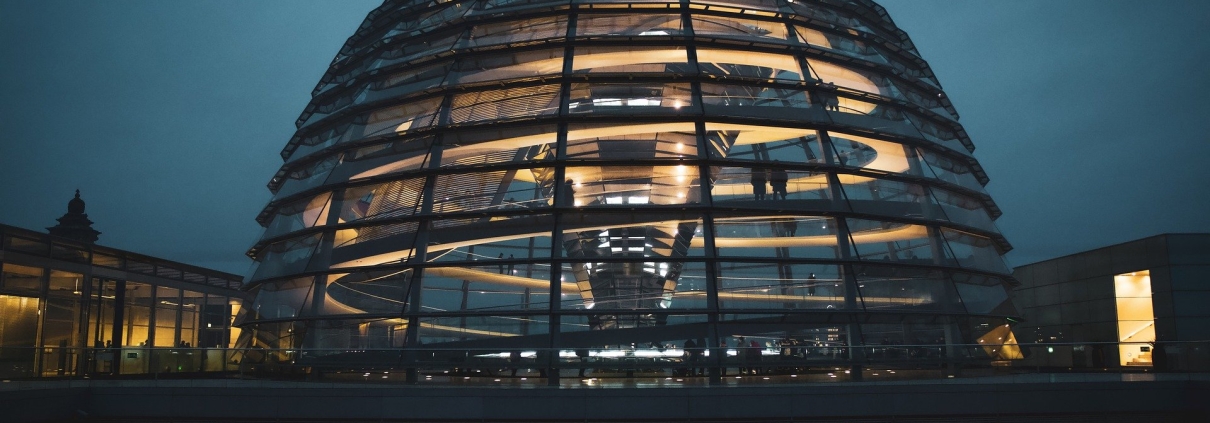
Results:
169 116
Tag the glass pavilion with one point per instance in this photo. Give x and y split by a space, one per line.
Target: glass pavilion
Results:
566 183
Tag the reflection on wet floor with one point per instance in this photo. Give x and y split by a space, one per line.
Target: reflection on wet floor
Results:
570 379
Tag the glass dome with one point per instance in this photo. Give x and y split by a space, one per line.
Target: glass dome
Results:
476 178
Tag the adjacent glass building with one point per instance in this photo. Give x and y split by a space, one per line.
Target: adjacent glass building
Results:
474 179
69 307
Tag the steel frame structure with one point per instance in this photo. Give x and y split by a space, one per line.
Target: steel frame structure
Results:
589 174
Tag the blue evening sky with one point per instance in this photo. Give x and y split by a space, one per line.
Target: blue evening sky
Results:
169 115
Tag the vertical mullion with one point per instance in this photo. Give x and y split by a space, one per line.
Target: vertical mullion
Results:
420 251
712 317
561 204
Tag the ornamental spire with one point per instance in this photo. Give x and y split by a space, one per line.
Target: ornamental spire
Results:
75 224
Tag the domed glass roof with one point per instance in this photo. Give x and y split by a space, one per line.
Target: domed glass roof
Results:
492 176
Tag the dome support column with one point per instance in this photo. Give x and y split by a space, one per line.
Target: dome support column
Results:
717 354
420 256
556 269
844 249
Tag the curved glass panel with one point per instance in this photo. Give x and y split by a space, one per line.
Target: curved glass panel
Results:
380 201
645 25
299 215
736 28
633 185
630 142
631 60
508 65
629 98
739 64
283 299
974 251
505 104
780 286
885 287
523 31
784 237
981 294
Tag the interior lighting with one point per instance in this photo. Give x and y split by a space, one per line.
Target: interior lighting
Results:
657 179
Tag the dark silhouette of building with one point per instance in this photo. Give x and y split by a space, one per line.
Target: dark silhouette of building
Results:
75 224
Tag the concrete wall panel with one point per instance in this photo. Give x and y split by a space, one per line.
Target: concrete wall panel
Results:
1189 249
1190 278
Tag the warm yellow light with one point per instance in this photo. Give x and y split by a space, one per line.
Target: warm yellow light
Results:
1136 317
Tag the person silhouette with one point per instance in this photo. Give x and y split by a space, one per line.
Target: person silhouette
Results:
690 357
831 101
759 180
569 194
778 179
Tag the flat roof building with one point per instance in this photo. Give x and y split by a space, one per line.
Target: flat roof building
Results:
69 307
1119 306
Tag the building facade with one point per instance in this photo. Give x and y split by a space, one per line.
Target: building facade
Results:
69 307
641 179
1120 306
